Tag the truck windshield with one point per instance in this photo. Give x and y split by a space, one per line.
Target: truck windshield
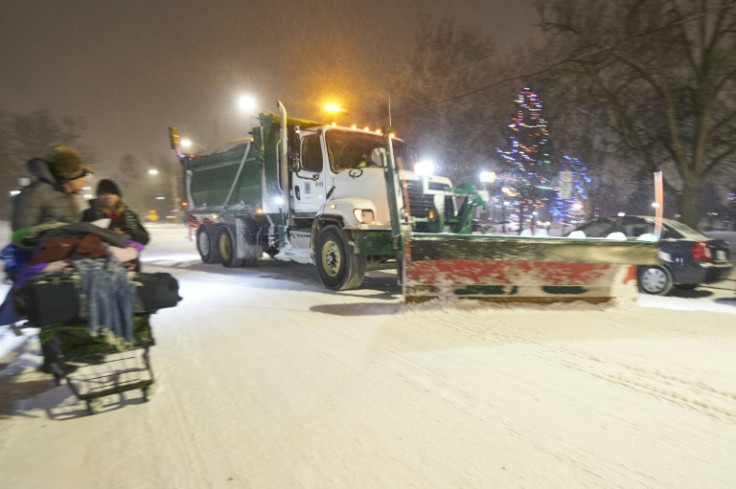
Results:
356 150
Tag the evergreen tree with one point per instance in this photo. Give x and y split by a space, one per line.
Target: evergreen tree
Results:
528 176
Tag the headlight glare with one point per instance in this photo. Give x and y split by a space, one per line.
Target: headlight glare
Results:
364 216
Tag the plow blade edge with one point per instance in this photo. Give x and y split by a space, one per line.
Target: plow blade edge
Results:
511 268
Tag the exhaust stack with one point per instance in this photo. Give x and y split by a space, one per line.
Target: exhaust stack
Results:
284 158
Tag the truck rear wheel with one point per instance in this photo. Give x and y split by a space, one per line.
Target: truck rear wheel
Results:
227 245
207 244
338 267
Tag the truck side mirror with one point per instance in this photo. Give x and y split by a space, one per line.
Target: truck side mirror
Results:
295 161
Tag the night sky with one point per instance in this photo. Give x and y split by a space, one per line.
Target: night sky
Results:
132 68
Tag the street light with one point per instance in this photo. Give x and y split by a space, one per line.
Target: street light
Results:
187 144
169 175
247 103
487 176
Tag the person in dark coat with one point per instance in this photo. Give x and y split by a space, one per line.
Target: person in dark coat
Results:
109 204
50 200
52 197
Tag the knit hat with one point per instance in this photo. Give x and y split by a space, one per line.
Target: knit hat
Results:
108 187
65 163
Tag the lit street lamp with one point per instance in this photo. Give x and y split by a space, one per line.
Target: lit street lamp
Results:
174 191
247 103
187 143
487 177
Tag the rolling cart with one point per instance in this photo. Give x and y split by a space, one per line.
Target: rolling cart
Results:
95 362
99 365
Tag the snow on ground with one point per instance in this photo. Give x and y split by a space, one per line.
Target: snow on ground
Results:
267 380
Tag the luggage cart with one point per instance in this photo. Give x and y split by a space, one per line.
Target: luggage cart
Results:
99 365
94 364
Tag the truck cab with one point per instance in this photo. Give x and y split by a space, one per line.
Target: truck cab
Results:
339 205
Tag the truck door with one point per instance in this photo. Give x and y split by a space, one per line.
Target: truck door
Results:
308 184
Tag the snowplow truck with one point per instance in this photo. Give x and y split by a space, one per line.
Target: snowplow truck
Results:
345 200
308 192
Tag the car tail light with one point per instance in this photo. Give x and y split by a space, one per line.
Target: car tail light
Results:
701 252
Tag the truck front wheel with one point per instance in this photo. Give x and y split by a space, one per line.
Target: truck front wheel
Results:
207 244
338 267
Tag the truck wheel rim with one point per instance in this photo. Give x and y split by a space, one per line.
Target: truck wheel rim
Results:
331 258
653 280
225 248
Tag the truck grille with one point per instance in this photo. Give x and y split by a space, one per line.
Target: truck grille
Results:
419 203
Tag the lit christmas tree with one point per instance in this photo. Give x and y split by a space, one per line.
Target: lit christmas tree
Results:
528 177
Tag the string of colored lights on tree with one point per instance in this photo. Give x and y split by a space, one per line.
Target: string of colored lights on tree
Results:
531 180
529 174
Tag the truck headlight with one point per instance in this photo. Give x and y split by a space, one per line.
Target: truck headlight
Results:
364 216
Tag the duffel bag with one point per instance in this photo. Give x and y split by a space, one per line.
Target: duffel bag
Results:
155 291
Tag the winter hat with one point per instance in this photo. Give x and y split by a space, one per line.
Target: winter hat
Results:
108 187
65 163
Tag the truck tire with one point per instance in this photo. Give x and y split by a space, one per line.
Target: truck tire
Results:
338 267
227 245
207 244
252 251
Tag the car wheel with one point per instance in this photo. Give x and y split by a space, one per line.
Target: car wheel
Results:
655 280
228 250
206 246
338 267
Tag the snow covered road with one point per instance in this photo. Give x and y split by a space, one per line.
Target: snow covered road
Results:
267 380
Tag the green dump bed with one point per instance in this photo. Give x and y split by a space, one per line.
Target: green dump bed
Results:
244 175
210 178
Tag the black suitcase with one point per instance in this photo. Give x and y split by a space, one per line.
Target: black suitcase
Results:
53 298
50 299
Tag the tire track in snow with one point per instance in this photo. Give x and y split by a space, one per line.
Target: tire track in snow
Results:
679 390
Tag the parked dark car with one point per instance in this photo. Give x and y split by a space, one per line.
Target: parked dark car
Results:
689 257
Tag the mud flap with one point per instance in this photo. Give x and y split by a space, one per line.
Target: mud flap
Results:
511 268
